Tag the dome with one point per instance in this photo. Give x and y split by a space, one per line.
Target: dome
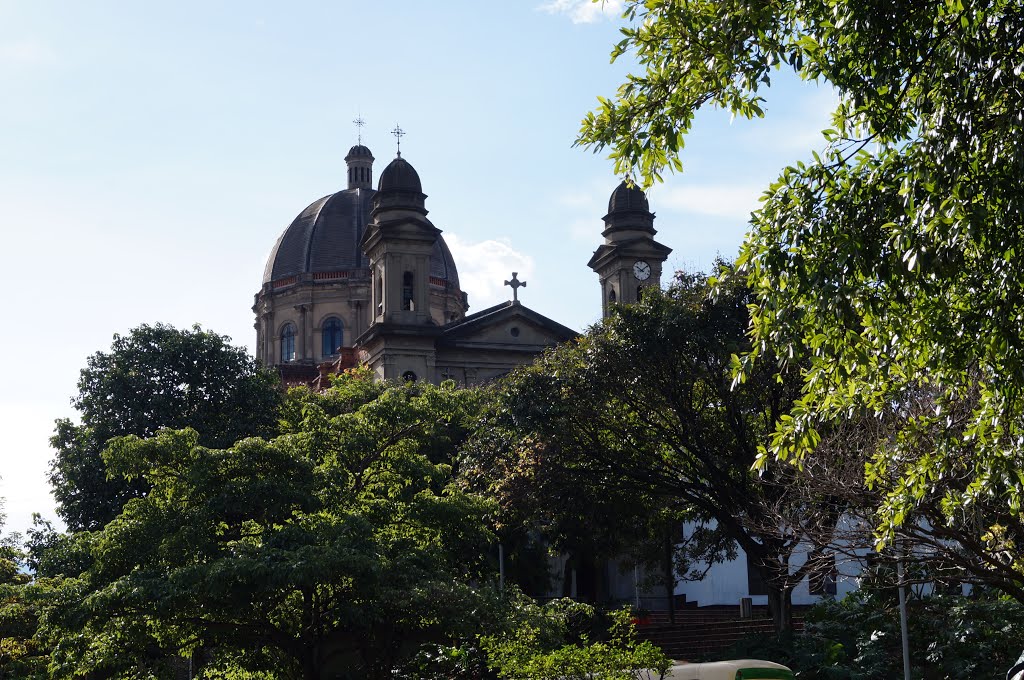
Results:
627 198
400 176
628 211
325 238
358 151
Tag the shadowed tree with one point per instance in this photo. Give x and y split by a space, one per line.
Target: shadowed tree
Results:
154 377
643 409
889 265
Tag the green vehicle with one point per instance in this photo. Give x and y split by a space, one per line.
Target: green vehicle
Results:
738 669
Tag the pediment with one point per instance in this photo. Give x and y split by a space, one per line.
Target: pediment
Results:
510 326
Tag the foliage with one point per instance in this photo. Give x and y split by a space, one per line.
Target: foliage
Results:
529 651
889 266
445 662
154 377
858 638
590 437
337 547
21 599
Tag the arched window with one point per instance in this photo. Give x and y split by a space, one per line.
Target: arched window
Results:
611 296
639 293
409 376
332 336
407 292
288 343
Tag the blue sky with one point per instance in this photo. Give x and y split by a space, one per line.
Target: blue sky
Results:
151 153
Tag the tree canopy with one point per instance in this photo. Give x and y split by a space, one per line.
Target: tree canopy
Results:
154 377
341 544
590 428
889 265
21 655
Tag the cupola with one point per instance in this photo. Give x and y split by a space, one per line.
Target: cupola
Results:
360 167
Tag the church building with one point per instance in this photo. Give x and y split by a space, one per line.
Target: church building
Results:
363 277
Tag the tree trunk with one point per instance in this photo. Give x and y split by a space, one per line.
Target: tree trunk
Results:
670 577
780 607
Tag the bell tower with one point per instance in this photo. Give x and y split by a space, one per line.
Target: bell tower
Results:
398 243
399 342
630 260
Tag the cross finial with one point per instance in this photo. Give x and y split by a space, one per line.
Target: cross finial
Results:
359 123
516 284
398 133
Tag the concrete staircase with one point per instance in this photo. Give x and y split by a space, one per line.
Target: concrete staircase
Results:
704 633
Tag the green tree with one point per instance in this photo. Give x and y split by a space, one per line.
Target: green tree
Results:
333 550
154 377
643 406
529 651
21 600
858 637
888 265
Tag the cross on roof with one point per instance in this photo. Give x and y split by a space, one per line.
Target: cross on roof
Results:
398 133
515 284
359 123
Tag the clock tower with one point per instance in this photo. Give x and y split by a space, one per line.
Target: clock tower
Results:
630 260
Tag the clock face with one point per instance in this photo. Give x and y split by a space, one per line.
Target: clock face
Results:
642 270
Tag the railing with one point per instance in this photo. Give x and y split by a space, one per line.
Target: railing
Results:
287 281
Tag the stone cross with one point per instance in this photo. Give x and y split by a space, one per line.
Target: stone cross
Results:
515 284
359 123
398 133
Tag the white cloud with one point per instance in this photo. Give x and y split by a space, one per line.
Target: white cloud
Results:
27 53
735 201
584 11
485 266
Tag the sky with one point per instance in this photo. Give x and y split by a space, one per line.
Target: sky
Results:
151 153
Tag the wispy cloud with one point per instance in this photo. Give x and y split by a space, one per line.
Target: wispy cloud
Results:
27 52
584 11
584 206
797 133
485 266
735 201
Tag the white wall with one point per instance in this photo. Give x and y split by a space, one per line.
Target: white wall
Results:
726 582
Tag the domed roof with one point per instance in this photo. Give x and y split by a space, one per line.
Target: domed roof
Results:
627 198
325 238
358 151
400 176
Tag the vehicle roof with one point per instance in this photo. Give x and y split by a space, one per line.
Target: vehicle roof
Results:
726 670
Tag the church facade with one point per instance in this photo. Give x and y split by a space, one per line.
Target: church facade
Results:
363 277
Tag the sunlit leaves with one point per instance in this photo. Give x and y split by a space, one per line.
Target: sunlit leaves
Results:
887 267
343 532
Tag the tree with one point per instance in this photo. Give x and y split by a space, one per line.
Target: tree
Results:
333 549
154 377
21 598
889 266
643 406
